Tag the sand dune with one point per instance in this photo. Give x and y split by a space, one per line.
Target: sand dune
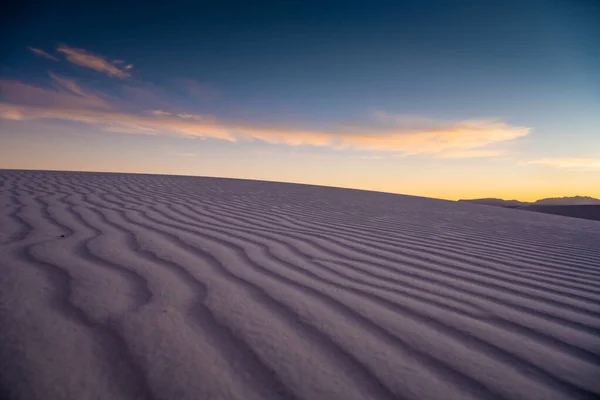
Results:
116 286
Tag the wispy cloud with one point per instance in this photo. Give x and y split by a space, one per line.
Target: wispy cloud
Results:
467 138
570 163
399 135
160 113
42 53
68 95
86 59
10 113
73 87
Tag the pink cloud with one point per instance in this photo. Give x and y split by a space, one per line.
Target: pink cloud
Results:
86 59
467 138
73 97
159 113
42 53
10 113
73 87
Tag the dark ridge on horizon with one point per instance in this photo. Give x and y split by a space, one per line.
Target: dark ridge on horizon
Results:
583 207
548 201
586 211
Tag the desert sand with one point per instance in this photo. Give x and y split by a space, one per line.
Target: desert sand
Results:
118 286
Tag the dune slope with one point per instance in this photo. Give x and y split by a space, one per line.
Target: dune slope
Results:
116 286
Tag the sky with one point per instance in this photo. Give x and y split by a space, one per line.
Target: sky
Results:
447 99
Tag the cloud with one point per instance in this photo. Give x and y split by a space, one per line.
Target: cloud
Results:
68 84
159 113
68 96
446 139
42 53
73 87
11 114
570 163
86 59
197 117
397 135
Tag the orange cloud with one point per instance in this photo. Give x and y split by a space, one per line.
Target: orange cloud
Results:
42 53
10 113
86 59
468 138
451 139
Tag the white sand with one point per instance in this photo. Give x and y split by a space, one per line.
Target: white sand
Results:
196 288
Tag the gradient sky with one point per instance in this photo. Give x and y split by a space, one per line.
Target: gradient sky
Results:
450 99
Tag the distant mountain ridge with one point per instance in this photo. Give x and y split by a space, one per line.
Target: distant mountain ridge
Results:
578 206
550 201
568 201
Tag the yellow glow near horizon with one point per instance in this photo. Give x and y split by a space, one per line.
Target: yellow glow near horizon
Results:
425 176
522 190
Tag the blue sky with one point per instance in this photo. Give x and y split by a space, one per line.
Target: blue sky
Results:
437 98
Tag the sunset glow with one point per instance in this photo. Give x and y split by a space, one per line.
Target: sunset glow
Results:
442 114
